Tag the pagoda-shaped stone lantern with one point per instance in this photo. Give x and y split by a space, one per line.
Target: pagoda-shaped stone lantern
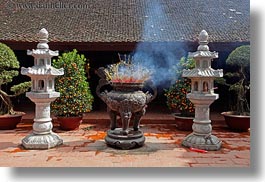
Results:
202 96
42 93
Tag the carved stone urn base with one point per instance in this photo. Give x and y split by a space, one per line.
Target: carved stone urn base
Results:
116 138
46 141
209 142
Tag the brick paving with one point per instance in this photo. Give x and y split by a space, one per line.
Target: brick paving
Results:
85 147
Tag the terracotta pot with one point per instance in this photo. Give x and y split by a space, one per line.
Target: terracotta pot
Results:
237 122
9 122
69 123
183 123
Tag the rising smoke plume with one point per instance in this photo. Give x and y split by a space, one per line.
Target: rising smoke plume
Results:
160 57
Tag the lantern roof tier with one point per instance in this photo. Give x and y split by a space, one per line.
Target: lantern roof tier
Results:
202 72
42 53
36 70
203 54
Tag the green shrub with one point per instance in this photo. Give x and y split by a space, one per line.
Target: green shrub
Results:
76 97
238 80
8 70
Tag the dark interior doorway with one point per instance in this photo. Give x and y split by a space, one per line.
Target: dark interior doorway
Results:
101 59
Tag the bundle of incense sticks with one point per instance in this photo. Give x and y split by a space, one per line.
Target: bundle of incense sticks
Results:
127 72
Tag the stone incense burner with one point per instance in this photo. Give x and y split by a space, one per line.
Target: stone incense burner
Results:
128 101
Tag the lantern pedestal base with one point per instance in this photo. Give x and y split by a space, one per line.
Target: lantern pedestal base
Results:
205 142
133 139
46 141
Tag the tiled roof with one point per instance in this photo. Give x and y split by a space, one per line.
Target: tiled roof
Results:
125 20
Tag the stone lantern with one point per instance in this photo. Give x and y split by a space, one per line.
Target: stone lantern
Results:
42 93
202 96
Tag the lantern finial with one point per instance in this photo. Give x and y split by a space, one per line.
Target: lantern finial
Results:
43 39
203 40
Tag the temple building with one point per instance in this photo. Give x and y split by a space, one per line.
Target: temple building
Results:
100 29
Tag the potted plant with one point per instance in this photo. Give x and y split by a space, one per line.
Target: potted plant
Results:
238 82
8 65
76 97
182 108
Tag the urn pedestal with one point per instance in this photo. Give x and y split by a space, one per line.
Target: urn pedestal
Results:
116 139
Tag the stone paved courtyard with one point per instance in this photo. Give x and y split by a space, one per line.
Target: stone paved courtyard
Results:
86 148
